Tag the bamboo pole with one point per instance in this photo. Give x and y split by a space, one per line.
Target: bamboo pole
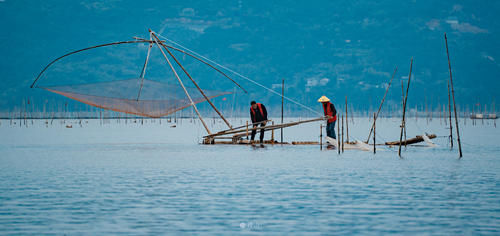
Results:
382 102
453 96
195 84
403 103
282 102
449 115
338 138
180 82
320 137
242 133
269 127
403 124
374 143
239 127
342 133
143 72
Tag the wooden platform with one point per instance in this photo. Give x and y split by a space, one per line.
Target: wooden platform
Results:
275 142
236 135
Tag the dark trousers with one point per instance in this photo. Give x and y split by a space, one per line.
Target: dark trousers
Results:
261 132
330 130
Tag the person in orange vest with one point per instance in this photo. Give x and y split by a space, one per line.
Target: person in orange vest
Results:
258 113
331 114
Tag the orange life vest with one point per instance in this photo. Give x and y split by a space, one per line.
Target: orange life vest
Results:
328 112
260 109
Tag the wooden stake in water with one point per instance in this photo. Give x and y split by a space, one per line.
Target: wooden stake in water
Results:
403 103
342 133
374 143
337 137
403 124
282 101
449 115
453 96
320 137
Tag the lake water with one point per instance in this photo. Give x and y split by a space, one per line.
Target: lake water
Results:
128 178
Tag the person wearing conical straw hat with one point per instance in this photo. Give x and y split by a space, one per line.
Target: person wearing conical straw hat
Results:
330 114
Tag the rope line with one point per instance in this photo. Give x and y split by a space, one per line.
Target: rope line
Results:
240 75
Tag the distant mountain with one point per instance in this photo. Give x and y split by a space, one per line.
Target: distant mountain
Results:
333 48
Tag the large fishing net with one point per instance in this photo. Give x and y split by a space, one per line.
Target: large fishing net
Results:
135 96
96 77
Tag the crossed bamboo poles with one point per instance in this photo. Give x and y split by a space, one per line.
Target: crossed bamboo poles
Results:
154 40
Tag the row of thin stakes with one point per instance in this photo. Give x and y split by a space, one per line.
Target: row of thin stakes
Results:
451 96
451 93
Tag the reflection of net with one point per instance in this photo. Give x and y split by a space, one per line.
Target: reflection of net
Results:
156 99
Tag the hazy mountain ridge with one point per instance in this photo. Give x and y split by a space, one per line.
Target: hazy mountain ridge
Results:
319 47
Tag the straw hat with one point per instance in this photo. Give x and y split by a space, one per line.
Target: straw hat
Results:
323 99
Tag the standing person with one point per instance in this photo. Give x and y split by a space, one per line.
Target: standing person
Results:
331 114
258 113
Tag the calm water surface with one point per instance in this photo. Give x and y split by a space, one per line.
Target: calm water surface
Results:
82 181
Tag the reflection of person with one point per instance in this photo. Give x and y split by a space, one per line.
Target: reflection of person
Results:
258 113
331 114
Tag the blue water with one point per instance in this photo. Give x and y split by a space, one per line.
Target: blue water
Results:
87 187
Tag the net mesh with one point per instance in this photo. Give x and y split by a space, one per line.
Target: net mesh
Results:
154 99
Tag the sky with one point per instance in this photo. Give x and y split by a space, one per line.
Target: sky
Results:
320 47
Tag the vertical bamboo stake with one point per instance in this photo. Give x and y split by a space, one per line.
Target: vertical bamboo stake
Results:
453 96
403 101
143 72
342 133
338 138
449 115
403 124
374 143
321 137
282 102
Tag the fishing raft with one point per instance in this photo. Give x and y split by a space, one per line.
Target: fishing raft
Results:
236 135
